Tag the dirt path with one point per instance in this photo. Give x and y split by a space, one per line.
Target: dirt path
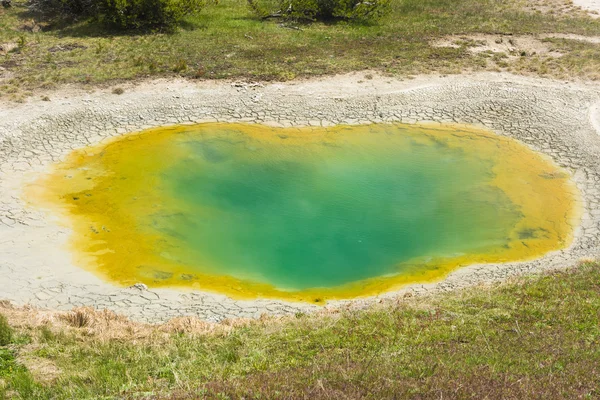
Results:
555 118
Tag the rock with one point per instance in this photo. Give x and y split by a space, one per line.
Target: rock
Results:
29 26
5 48
139 286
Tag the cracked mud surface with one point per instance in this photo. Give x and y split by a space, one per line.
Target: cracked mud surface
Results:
557 119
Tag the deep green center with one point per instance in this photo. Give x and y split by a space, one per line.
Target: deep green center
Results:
329 212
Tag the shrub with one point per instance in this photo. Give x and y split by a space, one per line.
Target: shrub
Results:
65 9
311 10
148 14
6 332
121 14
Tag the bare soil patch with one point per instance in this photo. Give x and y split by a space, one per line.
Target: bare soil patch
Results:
504 46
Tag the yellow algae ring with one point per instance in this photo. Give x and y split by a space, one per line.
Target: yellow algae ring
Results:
306 214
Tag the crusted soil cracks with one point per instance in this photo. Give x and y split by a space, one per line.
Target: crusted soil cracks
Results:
557 119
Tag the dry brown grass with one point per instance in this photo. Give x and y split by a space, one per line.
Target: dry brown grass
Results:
43 370
106 325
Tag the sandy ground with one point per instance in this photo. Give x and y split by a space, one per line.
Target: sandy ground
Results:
593 6
511 45
559 119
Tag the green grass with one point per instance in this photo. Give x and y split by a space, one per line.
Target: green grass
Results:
6 332
227 41
535 338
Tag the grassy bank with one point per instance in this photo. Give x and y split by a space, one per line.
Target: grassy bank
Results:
537 337
227 41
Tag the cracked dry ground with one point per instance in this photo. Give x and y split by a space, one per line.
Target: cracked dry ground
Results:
554 119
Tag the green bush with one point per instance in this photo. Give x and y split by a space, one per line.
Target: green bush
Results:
121 14
152 14
6 332
312 10
65 9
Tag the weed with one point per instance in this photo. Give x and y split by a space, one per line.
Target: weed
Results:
200 72
46 334
77 318
6 332
21 41
100 47
139 61
7 362
180 66
152 66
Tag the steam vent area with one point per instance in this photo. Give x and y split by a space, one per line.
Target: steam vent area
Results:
223 201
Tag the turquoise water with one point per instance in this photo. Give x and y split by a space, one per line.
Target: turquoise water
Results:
326 212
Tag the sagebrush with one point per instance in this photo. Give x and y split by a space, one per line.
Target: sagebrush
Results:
65 9
136 14
121 14
324 10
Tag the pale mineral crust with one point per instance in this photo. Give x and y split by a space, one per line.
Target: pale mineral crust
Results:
560 120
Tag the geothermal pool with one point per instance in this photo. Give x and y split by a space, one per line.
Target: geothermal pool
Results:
306 214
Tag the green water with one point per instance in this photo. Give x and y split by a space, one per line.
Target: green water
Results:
327 212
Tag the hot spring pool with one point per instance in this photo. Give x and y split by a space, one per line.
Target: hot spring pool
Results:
306 214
